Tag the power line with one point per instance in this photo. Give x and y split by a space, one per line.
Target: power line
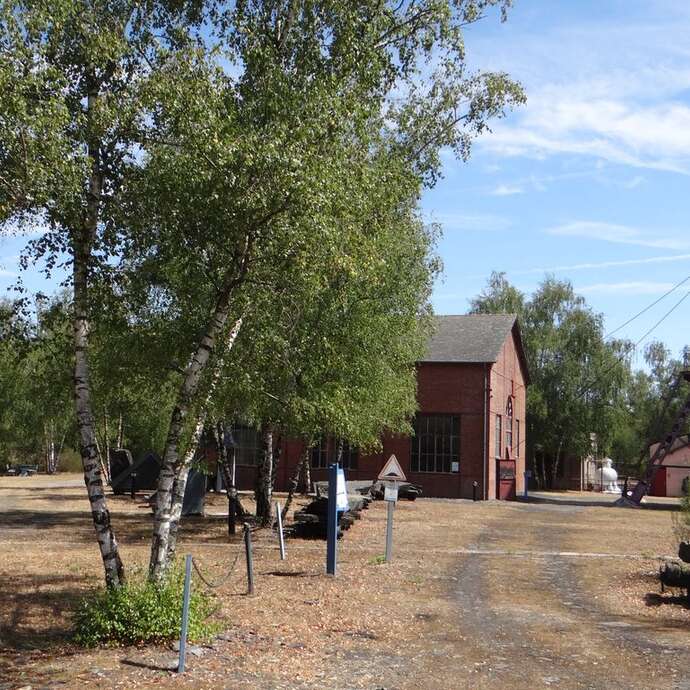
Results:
648 307
665 316
636 344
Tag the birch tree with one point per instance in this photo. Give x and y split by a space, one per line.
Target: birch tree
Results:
70 75
258 139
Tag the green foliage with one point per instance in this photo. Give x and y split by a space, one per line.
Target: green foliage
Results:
582 383
140 611
34 380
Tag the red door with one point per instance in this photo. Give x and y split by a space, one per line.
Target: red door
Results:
658 487
505 480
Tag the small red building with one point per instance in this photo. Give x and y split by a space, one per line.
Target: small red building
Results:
673 477
470 426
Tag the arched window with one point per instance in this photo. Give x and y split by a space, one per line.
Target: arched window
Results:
509 425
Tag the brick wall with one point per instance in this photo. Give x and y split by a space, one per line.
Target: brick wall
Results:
446 388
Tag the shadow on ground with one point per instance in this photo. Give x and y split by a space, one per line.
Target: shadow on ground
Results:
29 601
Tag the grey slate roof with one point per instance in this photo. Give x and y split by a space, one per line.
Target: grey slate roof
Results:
469 338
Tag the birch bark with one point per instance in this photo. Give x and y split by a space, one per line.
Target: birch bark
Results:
82 241
174 470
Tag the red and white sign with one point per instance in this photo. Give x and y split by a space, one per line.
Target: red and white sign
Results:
392 472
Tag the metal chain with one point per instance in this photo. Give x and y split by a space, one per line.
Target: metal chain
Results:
221 582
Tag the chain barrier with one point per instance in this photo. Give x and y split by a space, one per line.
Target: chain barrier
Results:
225 578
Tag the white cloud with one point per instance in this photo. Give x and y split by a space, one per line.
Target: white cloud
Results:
606 264
656 138
618 234
626 288
610 89
507 190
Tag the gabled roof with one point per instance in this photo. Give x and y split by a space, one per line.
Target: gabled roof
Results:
473 338
680 442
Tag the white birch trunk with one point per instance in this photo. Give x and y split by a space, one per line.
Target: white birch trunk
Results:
174 470
82 241
307 476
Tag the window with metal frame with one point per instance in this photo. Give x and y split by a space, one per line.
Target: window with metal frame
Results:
509 424
499 436
245 441
319 454
435 445
350 456
326 451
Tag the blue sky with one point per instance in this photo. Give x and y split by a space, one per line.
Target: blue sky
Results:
590 180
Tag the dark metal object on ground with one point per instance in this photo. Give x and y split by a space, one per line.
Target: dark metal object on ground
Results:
406 490
684 551
121 466
311 521
250 560
194 494
675 574
21 470
147 470
655 462
475 486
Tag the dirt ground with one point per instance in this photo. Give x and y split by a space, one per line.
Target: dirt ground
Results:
480 595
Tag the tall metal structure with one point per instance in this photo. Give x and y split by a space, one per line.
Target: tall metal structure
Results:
660 453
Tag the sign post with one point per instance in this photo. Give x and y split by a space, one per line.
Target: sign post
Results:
185 613
332 524
391 475
281 537
389 532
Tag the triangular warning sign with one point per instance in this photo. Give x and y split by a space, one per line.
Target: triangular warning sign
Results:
392 472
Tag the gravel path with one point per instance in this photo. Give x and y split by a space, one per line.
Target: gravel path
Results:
479 595
537 625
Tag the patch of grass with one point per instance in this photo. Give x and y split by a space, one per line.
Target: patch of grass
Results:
377 560
140 611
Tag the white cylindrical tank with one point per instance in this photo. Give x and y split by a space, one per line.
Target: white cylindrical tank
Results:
608 477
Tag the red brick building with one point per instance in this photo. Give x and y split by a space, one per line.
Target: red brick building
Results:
470 426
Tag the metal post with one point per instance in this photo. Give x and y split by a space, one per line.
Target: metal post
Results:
232 498
250 560
133 485
389 532
332 525
527 475
475 486
185 612
281 538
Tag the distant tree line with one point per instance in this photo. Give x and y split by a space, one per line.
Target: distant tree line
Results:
584 383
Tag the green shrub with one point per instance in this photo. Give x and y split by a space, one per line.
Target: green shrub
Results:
140 611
